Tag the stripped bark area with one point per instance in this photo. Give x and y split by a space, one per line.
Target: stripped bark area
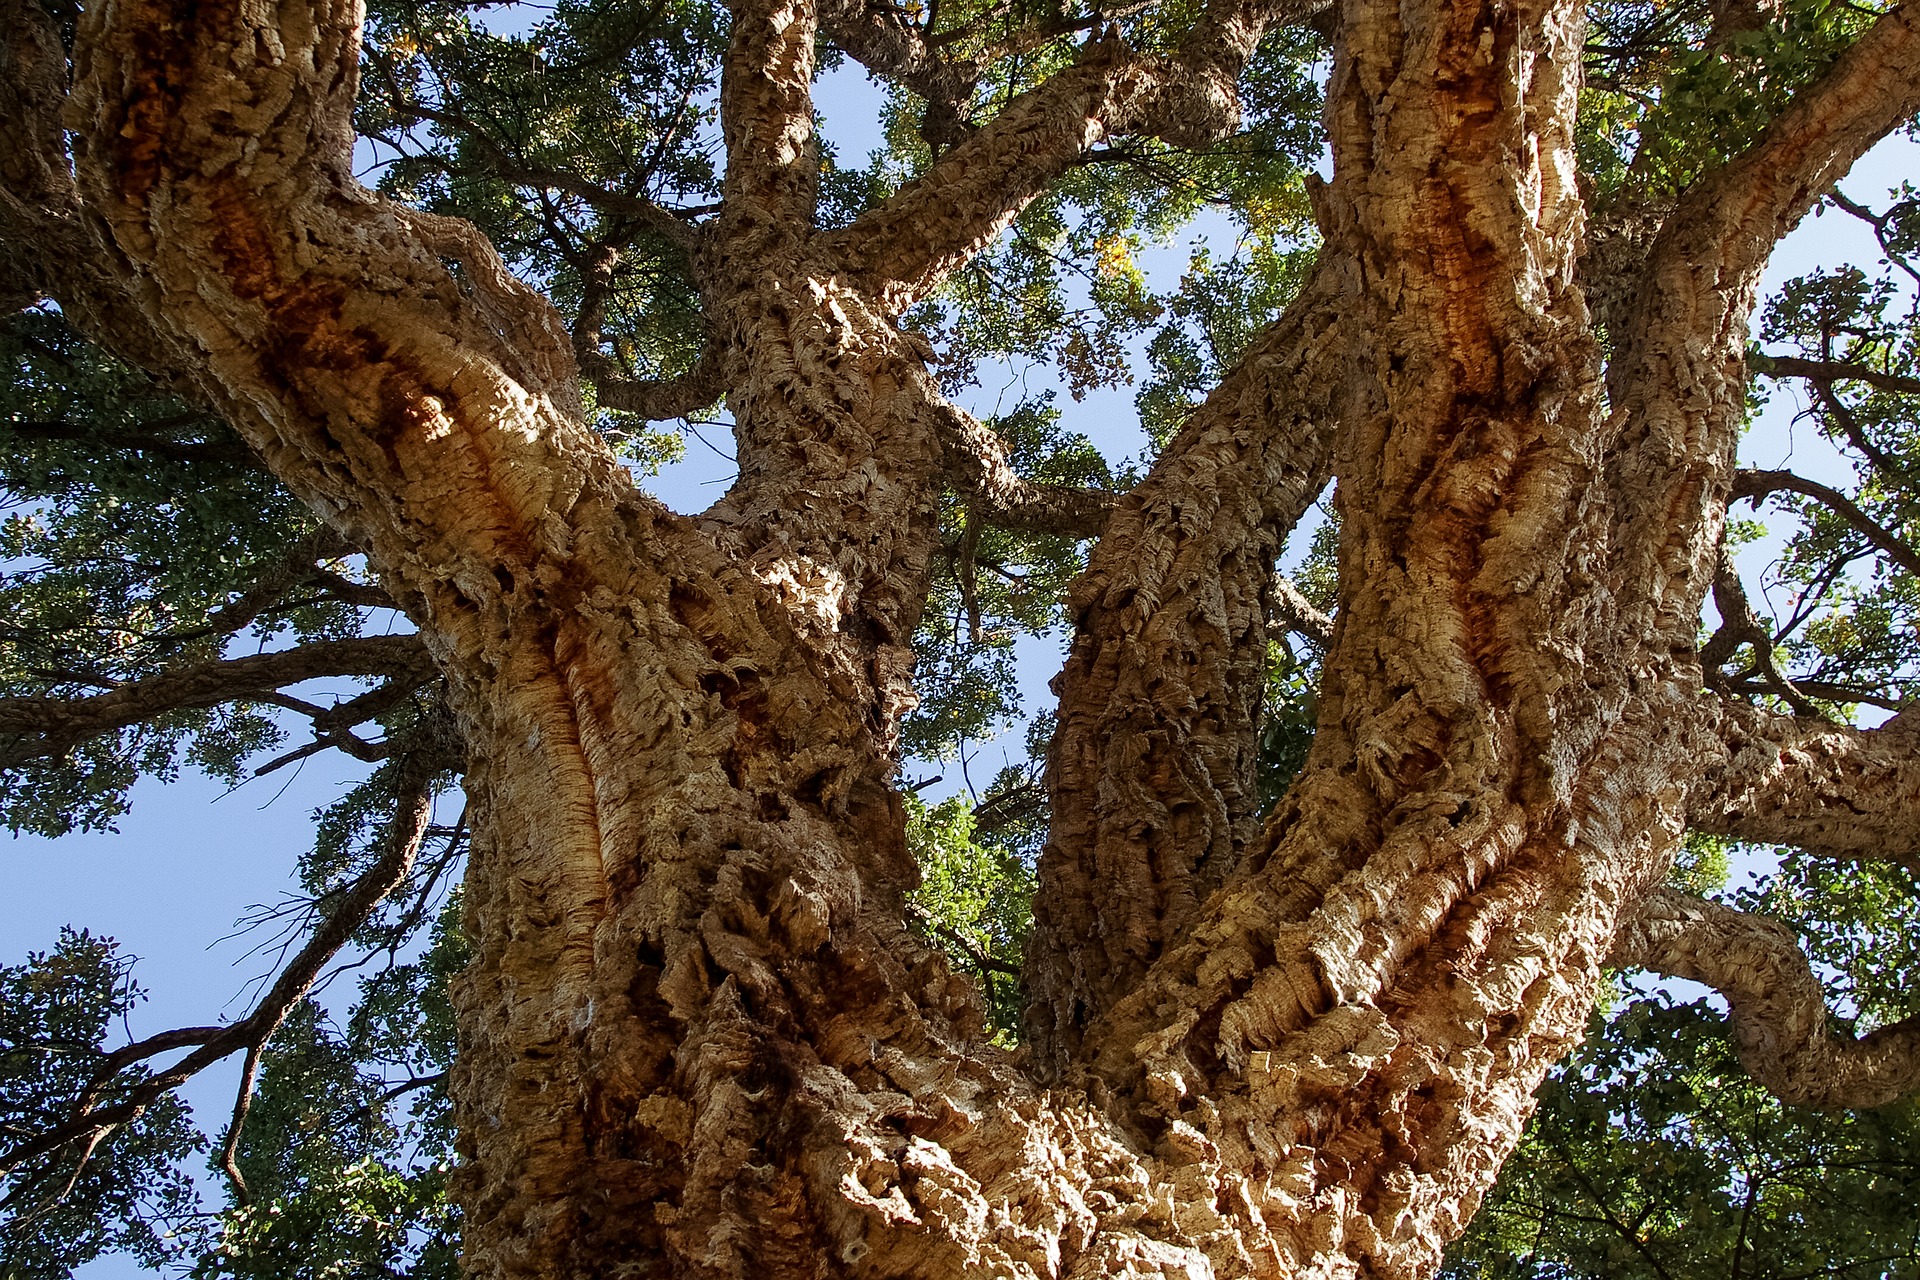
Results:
698 1039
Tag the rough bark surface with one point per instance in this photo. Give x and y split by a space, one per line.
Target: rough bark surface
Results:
698 1039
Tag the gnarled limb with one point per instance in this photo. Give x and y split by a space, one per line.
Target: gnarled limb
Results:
1779 1013
1739 625
1829 789
1373 995
766 119
48 249
35 727
1151 767
1678 381
700 387
36 187
976 464
880 38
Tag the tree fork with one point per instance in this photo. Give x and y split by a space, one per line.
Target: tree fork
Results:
698 1039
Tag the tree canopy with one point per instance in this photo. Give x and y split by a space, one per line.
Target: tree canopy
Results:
178 581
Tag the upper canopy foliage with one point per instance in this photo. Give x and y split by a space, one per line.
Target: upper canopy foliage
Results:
166 601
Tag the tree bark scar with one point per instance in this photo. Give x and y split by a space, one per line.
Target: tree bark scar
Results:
164 46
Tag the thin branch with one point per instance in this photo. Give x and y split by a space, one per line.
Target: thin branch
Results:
1831 371
242 1103
1856 433
295 567
230 452
1758 484
31 727
1741 625
966 945
351 909
1829 690
509 168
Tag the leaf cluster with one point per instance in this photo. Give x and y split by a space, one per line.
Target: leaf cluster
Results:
127 1191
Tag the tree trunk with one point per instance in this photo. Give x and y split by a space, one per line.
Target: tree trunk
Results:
697 1039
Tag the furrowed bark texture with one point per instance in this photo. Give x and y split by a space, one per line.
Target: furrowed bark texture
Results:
1780 1016
1152 765
697 1039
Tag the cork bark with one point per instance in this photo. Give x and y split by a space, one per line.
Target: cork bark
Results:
697 1039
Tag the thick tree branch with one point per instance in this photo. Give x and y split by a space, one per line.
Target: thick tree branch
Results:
879 38
1678 380
384 362
1830 789
34 727
766 120
977 466
1779 1012
1758 484
37 199
1856 433
902 249
44 240
700 387
1151 771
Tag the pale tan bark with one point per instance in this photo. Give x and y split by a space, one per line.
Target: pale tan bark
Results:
1830 789
1780 1016
698 1039
1151 770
